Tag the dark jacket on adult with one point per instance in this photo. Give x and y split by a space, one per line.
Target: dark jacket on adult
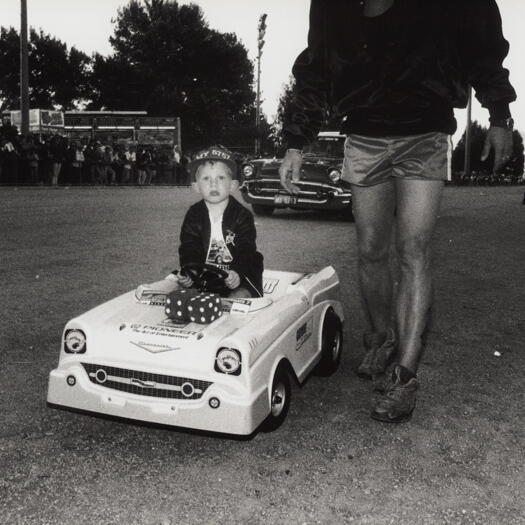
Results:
399 73
238 227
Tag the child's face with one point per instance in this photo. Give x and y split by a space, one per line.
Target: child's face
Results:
214 182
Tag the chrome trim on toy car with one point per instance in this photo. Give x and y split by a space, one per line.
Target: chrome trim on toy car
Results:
145 383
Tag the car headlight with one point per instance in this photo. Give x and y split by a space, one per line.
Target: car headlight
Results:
75 342
248 171
334 175
228 361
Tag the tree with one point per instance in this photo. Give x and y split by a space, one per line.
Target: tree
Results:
283 112
57 77
284 109
168 61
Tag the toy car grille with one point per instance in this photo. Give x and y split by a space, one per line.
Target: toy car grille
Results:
145 383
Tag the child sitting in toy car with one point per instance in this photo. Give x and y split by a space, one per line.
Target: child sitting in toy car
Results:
217 249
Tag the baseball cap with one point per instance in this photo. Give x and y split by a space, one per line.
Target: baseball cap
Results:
213 153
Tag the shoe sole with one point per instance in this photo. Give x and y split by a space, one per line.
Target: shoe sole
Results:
385 419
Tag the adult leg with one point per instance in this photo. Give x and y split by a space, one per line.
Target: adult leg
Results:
374 214
417 208
373 208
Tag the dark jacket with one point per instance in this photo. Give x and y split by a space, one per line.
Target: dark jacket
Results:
400 73
238 224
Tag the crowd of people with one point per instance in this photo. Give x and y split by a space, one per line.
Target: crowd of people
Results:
56 160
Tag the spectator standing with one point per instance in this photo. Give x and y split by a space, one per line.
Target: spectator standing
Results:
151 165
90 162
109 176
32 163
176 163
183 170
11 161
57 154
2 160
129 160
100 172
76 160
142 162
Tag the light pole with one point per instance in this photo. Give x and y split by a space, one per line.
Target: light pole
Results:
466 163
24 74
260 43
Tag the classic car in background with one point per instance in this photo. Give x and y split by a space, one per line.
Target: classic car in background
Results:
321 186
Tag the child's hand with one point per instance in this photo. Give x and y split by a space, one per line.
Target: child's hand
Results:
184 280
233 280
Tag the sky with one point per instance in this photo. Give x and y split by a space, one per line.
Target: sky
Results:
87 25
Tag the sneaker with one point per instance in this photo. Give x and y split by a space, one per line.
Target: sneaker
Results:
382 382
399 400
381 349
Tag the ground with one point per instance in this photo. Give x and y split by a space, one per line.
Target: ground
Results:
460 459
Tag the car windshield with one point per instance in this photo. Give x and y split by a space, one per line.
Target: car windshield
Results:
332 147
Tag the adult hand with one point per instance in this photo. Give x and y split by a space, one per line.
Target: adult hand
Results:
233 280
290 170
500 140
184 280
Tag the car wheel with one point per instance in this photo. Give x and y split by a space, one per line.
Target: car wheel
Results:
280 397
347 214
331 344
260 209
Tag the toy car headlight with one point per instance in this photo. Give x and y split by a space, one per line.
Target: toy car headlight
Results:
334 175
75 342
248 171
228 361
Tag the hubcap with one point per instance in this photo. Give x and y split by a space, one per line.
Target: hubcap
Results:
278 399
336 346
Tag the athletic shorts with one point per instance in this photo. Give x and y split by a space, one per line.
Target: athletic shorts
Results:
374 160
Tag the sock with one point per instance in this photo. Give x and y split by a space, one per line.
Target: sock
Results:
403 374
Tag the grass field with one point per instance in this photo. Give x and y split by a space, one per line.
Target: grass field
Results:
460 459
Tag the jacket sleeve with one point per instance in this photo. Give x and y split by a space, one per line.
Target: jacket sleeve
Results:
311 88
245 245
483 49
190 247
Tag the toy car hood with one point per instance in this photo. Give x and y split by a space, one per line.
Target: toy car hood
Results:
124 330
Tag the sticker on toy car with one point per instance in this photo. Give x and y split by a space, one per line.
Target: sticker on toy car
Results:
303 334
236 306
269 285
180 333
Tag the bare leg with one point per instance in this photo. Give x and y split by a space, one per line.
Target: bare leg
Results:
417 208
239 292
373 208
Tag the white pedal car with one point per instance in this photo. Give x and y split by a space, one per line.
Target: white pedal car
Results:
125 358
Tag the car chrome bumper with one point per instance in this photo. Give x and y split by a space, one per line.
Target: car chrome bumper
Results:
235 415
311 196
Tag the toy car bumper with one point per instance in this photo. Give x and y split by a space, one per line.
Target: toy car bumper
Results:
71 388
311 196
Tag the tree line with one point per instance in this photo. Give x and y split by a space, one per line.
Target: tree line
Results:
165 60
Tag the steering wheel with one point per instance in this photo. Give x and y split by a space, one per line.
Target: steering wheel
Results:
205 277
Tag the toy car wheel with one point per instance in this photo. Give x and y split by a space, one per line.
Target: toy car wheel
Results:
280 397
259 209
331 344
